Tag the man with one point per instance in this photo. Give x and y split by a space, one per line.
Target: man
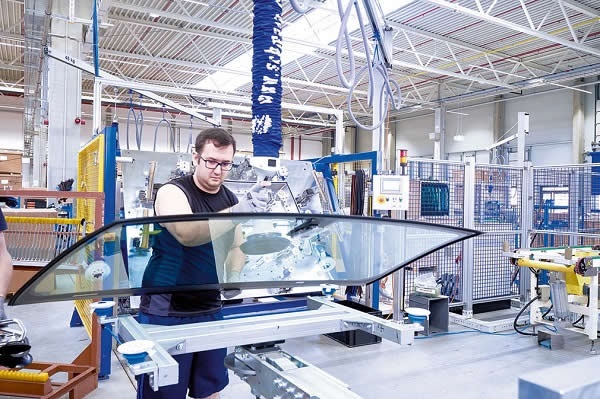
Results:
5 267
183 254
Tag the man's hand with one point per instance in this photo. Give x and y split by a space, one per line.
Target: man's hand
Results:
253 201
2 311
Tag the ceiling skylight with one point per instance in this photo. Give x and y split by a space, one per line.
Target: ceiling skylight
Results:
317 28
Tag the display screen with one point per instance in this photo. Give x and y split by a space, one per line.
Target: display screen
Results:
391 185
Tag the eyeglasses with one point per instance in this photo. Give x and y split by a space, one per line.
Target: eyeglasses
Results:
212 164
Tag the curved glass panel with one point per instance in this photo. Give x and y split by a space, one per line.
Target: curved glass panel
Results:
194 252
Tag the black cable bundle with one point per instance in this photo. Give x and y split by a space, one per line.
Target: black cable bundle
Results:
357 206
357 193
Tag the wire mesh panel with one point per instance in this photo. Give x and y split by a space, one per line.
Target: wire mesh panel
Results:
497 211
436 192
498 191
437 196
492 271
90 178
446 266
563 239
565 198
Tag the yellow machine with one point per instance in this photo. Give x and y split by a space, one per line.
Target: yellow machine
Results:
576 268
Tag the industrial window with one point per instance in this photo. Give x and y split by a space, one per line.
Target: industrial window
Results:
435 199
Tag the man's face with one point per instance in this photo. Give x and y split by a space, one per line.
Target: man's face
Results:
210 180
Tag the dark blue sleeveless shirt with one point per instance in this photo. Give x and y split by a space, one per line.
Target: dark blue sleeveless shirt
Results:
3 225
173 264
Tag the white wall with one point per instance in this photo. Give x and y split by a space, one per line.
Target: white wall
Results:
550 126
413 135
551 129
477 126
11 123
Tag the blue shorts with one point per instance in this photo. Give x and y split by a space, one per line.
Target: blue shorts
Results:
203 373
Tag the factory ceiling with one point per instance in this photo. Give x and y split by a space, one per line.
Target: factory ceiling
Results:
444 52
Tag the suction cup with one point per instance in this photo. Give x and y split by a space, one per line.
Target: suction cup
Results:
264 243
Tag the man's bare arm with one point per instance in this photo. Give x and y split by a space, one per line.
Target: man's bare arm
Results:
171 200
5 267
236 258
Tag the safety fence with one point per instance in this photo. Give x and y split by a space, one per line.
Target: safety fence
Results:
437 196
565 199
488 198
498 213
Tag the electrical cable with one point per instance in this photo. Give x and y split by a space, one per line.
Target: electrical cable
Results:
138 136
547 311
190 146
170 133
196 100
135 118
516 326
115 336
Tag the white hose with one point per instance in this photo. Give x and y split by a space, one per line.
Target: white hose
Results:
354 79
386 90
338 48
351 82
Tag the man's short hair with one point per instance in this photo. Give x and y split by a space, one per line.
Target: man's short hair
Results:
219 137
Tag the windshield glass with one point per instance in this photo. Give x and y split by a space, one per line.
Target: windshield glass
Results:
194 252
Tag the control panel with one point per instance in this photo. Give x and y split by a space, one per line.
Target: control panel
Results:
390 193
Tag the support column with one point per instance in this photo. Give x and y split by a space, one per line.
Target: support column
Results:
378 140
522 131
499 155
578 134
64 100
439 131
340 134
391 147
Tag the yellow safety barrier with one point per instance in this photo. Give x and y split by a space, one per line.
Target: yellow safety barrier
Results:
16 375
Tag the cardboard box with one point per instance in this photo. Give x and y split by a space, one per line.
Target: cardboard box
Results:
11 162
10 181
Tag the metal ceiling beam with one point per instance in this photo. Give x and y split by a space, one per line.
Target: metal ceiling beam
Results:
59 56
209 67
481 14
179 17
11 67
12 36
328 48
463 45
575 5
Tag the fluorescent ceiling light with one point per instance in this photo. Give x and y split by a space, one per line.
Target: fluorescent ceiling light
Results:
457 113
320 26
200 3
459 137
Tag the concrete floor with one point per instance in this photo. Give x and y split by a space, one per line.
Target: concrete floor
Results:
463 365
